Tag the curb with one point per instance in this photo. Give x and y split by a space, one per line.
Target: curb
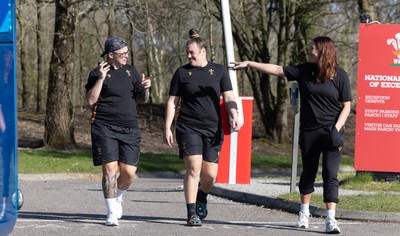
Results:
293 207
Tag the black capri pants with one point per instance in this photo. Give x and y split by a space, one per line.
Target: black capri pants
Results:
329 142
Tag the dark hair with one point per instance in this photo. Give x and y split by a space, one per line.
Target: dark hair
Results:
194 37
326 63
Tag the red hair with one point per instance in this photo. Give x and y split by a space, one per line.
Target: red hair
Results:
326 63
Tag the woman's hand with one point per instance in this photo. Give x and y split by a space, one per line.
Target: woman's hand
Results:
168 137
146 81
104 67
239 65
235 124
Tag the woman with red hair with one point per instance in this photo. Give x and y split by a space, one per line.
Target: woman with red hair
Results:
324 107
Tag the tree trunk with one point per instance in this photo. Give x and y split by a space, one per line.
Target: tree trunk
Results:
59 130
23 62
211 47
40 83
366 8
286 15
111 17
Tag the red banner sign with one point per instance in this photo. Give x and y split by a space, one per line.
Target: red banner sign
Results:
377 138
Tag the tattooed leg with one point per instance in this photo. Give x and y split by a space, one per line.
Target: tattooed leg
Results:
109 183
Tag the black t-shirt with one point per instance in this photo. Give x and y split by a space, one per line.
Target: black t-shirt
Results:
116 104
200 89
320 104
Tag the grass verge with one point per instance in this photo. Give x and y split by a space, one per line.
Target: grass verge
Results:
380 196
80 161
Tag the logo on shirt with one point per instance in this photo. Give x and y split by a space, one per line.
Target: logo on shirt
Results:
98 150
211 71
396 45
190 73
109 76
128 72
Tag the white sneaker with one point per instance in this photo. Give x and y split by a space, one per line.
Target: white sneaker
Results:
302 221
118 209
331 226
112 220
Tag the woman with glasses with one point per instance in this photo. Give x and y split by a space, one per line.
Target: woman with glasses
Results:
113 90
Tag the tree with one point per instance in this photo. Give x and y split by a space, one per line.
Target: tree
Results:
264 31
59 130
276 31
252 24
25 80
40 84
365 7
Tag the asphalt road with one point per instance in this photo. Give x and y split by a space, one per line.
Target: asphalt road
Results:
155 206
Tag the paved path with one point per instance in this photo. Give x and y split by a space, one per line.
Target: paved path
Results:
73 205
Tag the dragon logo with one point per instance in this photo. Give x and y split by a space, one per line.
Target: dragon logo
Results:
395 42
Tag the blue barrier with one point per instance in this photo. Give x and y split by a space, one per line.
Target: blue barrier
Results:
8 119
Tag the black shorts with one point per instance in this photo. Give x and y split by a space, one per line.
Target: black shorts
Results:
199 141
114 143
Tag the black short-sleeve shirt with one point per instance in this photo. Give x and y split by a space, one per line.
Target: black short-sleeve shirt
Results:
116 104
200 89
320 104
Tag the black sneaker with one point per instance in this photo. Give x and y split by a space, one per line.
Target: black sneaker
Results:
201 209
194 221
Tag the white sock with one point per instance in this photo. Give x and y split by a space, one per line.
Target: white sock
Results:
305 208
120 193
330 214
111 205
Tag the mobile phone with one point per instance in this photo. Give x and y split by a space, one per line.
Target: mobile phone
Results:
100 63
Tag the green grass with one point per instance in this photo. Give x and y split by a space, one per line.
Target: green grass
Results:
267 162
365 182
78 161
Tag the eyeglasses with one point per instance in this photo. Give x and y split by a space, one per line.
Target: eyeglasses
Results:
123 54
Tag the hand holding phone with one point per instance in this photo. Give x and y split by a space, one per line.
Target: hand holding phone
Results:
104 67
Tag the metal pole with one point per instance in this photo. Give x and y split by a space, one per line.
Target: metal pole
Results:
226 19
230 55
295 97
293 179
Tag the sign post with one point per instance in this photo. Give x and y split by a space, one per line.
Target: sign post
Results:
378 95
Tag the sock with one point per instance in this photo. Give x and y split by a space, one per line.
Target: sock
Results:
111 205
201 196
191 209
305 208
330 214
120 193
